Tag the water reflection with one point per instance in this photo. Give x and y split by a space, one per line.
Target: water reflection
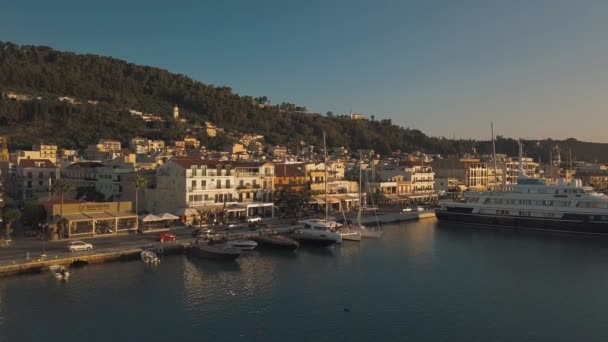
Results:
319 251
350 248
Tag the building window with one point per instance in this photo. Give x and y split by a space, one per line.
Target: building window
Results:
193 184
218 184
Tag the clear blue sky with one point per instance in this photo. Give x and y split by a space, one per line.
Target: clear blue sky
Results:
536 68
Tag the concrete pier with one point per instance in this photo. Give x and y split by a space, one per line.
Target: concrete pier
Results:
42 264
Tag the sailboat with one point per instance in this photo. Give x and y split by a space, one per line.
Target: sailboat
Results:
366 233
316 231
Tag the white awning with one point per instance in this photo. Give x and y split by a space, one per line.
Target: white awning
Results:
167 216
149 218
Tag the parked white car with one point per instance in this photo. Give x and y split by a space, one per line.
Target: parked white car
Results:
76 246
254 219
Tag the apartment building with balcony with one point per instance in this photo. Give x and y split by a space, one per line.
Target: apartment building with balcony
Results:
32 178
188 182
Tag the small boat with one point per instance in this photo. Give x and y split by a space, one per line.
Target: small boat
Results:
149 257
214 249
276 241
244 245
60 272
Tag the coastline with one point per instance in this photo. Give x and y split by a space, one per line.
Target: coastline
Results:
177 247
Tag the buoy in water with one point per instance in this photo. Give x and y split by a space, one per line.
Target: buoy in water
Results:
346 310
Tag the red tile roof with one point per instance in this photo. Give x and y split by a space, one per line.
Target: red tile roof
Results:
289 170
33 163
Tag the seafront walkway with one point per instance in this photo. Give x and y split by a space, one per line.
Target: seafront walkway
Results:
25 254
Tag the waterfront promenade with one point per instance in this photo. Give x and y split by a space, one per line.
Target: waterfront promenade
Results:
24 253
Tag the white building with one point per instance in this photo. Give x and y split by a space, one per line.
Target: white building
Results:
239 187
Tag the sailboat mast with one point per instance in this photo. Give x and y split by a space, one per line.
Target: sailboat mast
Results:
360 200
325 168
494 155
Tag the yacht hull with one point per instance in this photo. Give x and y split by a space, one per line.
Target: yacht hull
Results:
578 224
276 242
351 236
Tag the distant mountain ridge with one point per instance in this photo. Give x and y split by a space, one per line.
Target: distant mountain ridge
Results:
104 89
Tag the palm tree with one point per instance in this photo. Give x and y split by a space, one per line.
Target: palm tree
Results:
60 186
138 182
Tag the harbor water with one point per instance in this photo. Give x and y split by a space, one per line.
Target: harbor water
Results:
421 282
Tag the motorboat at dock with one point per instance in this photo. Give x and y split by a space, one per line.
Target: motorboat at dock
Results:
60 272
214 249
276 242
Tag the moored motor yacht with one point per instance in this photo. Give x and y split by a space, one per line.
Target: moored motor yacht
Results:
214 249
532 204
276 242
317 232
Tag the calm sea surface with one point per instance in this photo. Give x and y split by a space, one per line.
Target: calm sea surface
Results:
421 282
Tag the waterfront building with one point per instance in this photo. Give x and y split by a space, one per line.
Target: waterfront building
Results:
79 219
241 188
292 175
32 178
81 174
598 178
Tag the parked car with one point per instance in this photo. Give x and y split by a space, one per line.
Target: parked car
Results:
30 233
75 246
235 226
166 237
254 219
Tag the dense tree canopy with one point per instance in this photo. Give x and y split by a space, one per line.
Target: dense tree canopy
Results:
118 86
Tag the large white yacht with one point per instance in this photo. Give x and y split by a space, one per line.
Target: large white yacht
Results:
533 204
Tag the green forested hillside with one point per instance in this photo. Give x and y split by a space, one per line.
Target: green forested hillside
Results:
119 86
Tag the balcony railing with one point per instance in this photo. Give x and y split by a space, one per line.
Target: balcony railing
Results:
248 186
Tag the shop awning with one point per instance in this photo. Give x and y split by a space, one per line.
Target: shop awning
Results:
187 212
167 216
149 218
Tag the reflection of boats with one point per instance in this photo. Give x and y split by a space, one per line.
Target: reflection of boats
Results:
60 272
276 241
149 257
214 249
244 245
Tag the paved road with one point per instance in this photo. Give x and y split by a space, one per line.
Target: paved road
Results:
21 246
